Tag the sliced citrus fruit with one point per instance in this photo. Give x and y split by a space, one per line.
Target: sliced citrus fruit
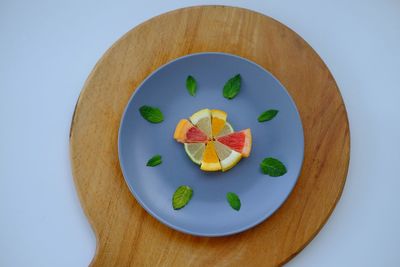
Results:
228 158
185 132
238 141
211 142
195 151
227 129
210 161
202 119
218 120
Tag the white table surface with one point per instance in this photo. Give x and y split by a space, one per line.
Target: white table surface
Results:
48 48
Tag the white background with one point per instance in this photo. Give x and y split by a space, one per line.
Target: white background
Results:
48 48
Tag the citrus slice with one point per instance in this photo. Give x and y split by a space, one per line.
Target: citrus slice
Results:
238 141
195 151
227 129
228 158
210 161
202 119
185 132
218 120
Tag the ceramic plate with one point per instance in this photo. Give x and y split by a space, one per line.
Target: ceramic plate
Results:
208 213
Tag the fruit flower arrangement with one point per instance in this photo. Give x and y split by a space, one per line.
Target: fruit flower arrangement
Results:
211 142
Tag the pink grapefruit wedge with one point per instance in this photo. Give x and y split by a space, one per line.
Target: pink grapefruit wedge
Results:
185 132
238 141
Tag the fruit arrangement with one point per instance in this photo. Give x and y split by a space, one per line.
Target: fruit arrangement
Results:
210 141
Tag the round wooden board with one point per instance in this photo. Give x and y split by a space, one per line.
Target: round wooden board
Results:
126 234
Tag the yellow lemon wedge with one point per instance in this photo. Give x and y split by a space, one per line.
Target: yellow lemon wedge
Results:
228 158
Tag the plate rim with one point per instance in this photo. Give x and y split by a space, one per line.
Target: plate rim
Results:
182 229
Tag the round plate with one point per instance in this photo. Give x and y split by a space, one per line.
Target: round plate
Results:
208 213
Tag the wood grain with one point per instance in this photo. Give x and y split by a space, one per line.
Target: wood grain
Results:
126 234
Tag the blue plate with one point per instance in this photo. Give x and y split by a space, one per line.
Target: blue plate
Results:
208 213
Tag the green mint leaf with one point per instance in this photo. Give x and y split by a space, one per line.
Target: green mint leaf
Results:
233 200
154 161
267 115
273 167
191 85
181 197
232 87
151 114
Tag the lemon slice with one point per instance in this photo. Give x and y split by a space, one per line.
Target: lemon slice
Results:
218 120
202 119
195 151
227 129
228 158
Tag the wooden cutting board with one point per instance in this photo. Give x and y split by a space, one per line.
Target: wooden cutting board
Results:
126 234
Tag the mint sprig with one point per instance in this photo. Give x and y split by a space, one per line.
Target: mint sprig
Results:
154 161
151 114
181 197
232 87
273 167
233 200
191 85
267 115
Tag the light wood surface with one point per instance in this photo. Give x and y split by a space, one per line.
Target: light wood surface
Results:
126 234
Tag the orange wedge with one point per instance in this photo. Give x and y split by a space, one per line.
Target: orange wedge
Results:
210 161
218 120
